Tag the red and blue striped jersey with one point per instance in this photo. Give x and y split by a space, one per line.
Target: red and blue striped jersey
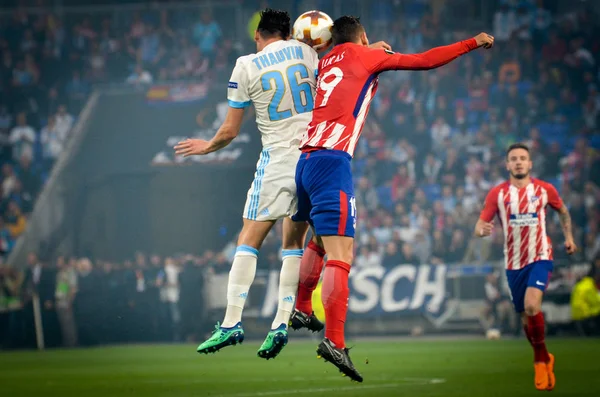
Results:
522 213
348 78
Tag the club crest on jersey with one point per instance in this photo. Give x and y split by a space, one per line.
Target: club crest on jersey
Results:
522 220
233 85
534 199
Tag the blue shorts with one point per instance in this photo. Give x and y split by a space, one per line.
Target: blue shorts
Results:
535 275
326 193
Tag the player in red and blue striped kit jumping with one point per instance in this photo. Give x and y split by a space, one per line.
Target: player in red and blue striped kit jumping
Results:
347 83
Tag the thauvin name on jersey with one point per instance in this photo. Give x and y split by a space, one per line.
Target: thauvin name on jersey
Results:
519 220
274 58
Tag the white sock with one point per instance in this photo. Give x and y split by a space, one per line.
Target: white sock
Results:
288 286
241 277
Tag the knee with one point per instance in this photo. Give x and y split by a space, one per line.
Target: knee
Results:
533 301
532 307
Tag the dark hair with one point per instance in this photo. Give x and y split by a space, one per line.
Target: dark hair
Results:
346 29
274 23
517 146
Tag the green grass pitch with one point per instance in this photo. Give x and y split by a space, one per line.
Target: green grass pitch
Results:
410 367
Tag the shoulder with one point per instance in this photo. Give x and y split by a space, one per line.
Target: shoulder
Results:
244 60
503 186
242 64
545 185
541 183
348 49
356 52
346 54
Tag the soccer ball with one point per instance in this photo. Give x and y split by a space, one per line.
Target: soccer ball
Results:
314 29
493 334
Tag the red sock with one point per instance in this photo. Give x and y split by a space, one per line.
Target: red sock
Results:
536 329
335 300
527 334
310 272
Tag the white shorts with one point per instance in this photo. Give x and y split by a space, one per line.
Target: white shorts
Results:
273 192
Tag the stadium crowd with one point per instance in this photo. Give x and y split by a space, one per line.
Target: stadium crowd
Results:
434 144
49 65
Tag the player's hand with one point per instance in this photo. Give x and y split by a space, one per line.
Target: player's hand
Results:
191 147
381 44
484 40
570 246
486 229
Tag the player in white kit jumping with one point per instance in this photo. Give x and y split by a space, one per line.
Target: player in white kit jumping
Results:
280 81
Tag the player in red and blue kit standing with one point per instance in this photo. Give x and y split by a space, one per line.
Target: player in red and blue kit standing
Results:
521 204
347 83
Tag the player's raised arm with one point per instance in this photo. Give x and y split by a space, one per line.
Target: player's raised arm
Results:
485 224
382 60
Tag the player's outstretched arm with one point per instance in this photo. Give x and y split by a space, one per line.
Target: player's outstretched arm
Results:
226 133
380 61
567 227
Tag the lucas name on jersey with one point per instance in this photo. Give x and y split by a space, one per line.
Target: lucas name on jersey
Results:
274 58
524 220
332 60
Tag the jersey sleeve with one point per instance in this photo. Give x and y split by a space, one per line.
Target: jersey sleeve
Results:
554 199
237 89
490 207
380 60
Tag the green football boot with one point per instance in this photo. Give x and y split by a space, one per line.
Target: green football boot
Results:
222 337
275 342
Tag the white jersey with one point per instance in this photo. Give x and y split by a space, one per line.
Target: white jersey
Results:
280 80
